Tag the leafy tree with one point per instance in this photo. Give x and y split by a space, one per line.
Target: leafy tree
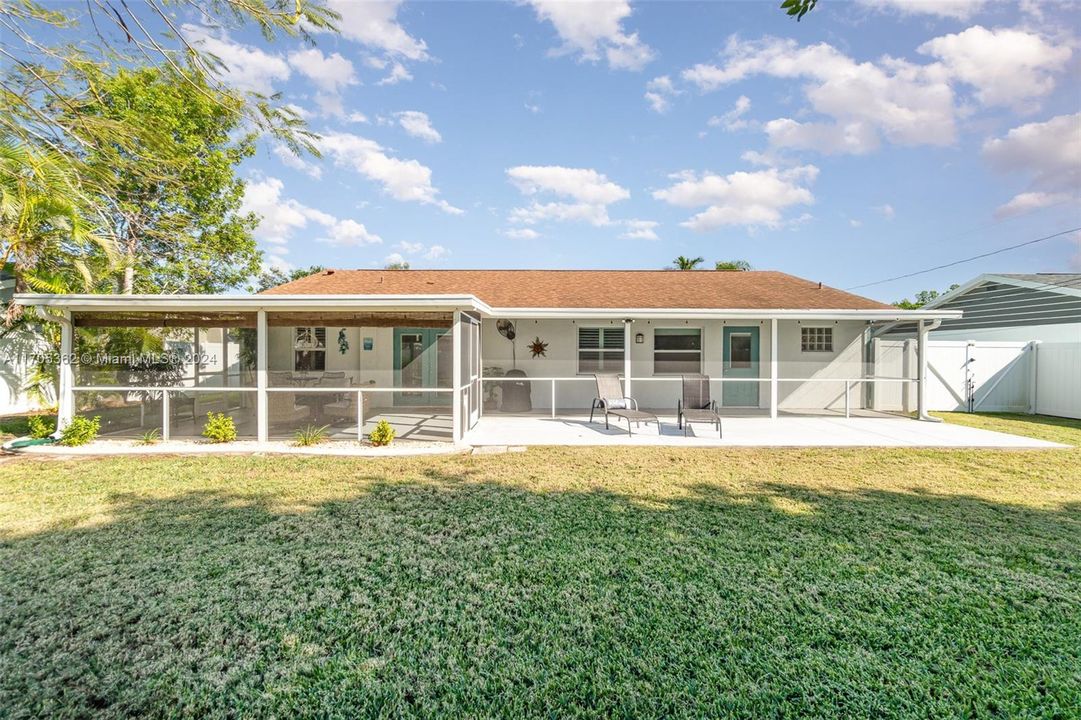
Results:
798 8
923 297
273 277
685 263
172 198
732 265
400 265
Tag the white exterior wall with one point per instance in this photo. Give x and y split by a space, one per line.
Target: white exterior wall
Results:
16 350
375 366
662 392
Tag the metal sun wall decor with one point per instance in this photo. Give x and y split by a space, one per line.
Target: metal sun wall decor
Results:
538 347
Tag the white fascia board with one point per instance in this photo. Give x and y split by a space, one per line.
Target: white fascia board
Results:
251 303
724 314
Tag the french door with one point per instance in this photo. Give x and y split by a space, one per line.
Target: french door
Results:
423 358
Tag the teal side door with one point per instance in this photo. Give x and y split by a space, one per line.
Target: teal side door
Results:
740 361
422 359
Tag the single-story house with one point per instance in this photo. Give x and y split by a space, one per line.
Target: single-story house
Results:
440 348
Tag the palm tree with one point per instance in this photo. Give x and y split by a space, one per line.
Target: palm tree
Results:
685 263
732 265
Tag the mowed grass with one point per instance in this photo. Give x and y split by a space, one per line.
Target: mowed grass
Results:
636 582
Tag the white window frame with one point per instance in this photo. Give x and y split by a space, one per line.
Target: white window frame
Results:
323 349
603 330
701 349
821 342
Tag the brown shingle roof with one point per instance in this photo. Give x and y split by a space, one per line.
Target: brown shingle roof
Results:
751 290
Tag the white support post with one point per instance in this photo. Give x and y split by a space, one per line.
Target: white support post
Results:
165 416
262 420
627 345
923 329
1033 370
773 368
360 416
456 380
553 398
66 401
848 387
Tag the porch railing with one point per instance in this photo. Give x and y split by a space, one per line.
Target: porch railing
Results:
849 383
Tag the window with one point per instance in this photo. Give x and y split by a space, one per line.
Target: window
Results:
600 350
677 351
740 350
310 349
816 339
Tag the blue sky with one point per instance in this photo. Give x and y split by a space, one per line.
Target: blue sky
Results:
868 140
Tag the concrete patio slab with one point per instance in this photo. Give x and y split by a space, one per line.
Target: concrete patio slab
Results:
790 431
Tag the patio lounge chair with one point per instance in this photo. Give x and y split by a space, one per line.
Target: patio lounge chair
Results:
696 405
282 408
611 399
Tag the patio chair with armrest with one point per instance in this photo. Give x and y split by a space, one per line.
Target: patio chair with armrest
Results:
612 401
696 405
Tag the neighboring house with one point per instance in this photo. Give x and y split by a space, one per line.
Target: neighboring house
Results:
441 344
1017 347
16 350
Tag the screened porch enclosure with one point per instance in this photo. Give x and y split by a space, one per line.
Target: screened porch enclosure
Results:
275 373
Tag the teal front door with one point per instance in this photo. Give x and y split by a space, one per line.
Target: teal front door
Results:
740 361
422 359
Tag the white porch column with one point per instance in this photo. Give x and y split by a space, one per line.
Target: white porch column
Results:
66 401
923 328
627 345
456 381
773 368
262 421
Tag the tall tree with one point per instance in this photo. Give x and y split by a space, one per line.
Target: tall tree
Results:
273 277
686 263
922 298
732 265
172 196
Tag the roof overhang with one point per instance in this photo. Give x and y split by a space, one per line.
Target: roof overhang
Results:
390 303
1004 280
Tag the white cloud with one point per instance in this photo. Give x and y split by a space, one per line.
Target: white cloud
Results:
289 159
398 73
855 223
411 247
733 119
394 259
418 125
357 117
885 211
351 233
905 103
521 234
742 198
532 107
1049 153
659 93
588 191
436 252
433 252
957 9
375 24
245 67
595 28
1007 67
330 73
640 230
281 217
405 180
583 184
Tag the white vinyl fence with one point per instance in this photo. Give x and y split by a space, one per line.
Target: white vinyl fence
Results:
993 376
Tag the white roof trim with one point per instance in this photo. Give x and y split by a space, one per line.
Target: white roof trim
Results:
250 303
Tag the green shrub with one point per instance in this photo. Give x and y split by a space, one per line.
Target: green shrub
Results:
80 430
381 434
219 428
310 435
41 426
150 437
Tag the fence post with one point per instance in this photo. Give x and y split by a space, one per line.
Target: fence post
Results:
1033 377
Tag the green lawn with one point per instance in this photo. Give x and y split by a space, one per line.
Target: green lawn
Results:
636 582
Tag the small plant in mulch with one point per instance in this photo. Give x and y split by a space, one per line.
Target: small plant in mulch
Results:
310 435
381 434
150 437
80 431
41 426
219 428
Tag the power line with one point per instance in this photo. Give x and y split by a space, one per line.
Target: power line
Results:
965 260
